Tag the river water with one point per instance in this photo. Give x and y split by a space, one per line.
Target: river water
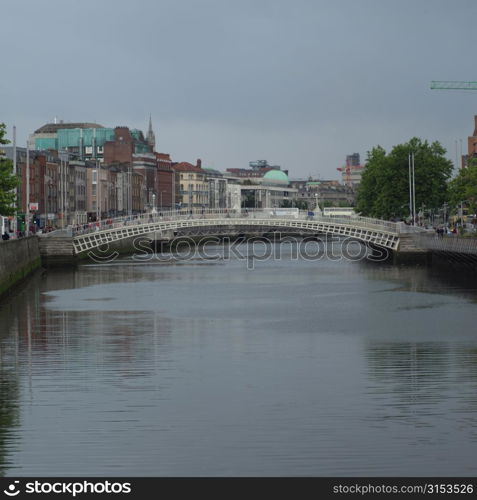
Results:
210 368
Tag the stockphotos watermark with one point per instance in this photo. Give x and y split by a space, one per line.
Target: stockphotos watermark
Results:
70 488
251 250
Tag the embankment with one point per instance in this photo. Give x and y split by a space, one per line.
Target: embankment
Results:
18 258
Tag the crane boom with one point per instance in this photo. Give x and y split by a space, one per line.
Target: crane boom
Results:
452 85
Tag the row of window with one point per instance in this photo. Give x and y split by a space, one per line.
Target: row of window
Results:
198 187
191 176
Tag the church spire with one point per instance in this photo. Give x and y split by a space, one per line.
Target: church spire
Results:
151 138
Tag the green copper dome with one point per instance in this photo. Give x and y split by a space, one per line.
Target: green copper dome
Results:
276 176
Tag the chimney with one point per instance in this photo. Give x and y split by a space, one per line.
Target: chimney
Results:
475 125
199 161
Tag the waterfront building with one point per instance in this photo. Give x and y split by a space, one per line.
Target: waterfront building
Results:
323 192
131 176
75 209
269 189
43 175
108 192
86 140
165 197
57 188
217 188
192 188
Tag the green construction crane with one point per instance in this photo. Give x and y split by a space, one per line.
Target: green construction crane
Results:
445 85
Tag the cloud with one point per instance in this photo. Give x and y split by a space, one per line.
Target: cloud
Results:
303 82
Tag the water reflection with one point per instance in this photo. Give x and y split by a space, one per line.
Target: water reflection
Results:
17 316
413 376
428 279
295 368
74 351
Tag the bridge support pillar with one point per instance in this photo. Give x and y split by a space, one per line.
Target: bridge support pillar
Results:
409 252
401 258
161 239
57 251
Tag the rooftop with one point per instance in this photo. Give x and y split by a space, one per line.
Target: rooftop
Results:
276 176
185 166
51 128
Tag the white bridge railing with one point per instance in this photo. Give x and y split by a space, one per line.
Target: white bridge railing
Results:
264 214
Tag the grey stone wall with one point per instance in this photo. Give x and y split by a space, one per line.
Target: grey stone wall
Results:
18 258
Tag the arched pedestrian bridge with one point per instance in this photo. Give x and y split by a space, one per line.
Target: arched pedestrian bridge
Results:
380 233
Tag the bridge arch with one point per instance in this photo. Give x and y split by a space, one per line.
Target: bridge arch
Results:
379 233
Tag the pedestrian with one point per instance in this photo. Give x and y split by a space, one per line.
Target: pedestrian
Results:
5 236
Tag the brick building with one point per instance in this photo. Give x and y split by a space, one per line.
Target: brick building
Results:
165 190
471 146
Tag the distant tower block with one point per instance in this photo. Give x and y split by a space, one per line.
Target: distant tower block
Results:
151 138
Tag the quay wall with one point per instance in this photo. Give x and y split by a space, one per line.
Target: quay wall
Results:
18 259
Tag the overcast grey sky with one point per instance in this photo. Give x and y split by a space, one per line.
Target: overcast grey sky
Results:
300 83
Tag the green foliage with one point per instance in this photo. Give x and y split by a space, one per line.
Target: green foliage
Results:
384 188
8 181
463 188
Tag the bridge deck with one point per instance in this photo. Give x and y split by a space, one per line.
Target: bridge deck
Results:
378 232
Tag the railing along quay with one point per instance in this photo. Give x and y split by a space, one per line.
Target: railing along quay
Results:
447 243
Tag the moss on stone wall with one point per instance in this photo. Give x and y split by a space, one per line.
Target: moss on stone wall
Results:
18 259
18 275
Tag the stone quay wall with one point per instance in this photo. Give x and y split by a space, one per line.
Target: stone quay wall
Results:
18 259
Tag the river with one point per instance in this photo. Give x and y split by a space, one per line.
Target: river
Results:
206 367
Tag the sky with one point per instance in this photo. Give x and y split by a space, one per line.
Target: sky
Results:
300 83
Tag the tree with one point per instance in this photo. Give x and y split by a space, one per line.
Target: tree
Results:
384 188
8 180
463 188
368 190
